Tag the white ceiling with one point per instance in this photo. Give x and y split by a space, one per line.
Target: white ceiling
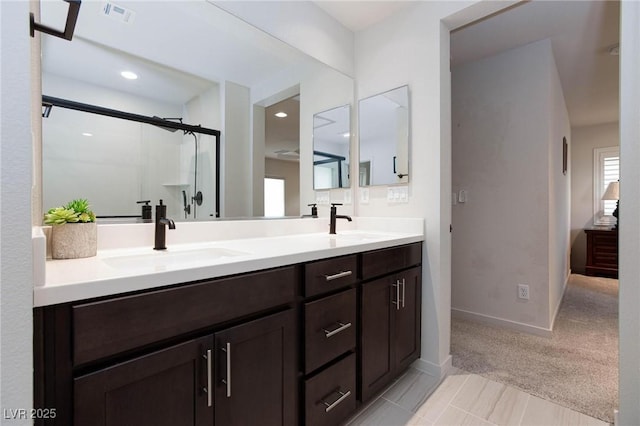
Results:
580 33
358 15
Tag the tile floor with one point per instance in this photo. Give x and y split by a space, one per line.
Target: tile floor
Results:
462 399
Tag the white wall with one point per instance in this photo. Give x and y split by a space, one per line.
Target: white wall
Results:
583 141
412 47
236 151
302 25
559 194
504 147
16 291
629 272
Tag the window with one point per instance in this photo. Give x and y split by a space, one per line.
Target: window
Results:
273 197
606 169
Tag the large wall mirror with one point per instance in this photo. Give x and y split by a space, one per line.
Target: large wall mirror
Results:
384 138
331 143
194 63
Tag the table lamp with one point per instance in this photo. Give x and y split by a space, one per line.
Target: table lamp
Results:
613 193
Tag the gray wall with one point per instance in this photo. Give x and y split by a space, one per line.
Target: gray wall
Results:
508 119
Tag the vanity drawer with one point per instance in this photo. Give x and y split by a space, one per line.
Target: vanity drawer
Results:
104 328
326 275
330 397
330 328
381 262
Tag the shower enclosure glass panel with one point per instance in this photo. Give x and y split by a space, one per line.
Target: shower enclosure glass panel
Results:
114 163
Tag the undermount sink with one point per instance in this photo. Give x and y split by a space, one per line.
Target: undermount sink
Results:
171 259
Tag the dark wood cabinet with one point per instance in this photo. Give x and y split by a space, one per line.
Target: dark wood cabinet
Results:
330 328
300 344
602 252
158 357
164 388
330 397
249 372
390 321
255 374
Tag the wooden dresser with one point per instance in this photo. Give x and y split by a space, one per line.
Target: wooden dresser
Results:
602 252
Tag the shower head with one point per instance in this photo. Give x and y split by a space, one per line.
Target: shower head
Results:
169 129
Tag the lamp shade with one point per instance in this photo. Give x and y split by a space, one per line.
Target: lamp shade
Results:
612 192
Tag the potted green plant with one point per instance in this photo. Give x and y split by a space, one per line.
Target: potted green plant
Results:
73 230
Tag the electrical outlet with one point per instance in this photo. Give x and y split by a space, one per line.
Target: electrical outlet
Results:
523 291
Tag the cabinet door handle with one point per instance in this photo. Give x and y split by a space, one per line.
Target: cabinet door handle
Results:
404 286
329 333
227 381
397 301
208 389
338 275
334 404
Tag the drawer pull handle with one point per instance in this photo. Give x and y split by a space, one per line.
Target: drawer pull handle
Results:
338 275
227 381
404 286
207 390
329 333
397 301
334 404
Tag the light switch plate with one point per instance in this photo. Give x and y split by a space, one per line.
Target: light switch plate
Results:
364 195
398 194
322 198
346 196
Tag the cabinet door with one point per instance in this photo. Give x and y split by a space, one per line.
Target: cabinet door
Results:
377 367
406 333
256 372
166 387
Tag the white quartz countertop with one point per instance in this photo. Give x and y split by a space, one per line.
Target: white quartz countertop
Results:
120 270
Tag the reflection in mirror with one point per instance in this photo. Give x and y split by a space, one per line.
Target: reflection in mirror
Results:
331 138
90 162
211 69
384 138
282 158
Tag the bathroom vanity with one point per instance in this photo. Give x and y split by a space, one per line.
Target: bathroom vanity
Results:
306 340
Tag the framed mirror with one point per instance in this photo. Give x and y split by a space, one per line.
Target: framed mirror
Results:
331 147
384 138
211 70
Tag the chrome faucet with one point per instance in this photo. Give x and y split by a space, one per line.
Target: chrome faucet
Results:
161 222
334 216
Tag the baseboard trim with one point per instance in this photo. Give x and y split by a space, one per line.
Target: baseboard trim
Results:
514 325
564 289
435 370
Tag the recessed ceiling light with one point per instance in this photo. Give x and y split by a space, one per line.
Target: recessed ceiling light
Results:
281 114
87 134
129 75
346 135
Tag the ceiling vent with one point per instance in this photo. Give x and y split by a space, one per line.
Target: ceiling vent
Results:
285 154
119 13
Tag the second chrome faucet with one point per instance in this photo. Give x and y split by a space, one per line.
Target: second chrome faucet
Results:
161 222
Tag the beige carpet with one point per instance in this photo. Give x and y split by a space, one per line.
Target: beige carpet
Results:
576 368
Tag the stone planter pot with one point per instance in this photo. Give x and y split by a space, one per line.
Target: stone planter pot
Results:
74 240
